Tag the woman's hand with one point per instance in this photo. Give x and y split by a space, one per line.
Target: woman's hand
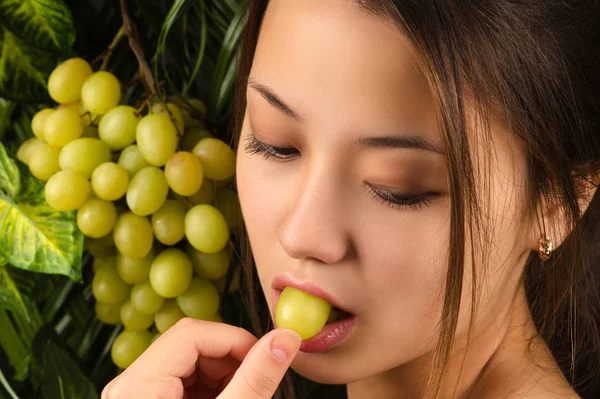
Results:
203 360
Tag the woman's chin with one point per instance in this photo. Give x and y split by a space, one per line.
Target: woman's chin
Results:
322 371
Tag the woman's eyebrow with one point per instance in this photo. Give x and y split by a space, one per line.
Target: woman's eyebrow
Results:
273 99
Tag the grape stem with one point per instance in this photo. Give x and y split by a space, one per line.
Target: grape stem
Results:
130 30
108 53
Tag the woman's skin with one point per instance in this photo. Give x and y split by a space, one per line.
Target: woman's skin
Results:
339 76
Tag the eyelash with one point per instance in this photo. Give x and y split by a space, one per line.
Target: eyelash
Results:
390 198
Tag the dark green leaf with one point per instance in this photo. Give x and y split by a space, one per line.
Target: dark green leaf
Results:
13 346
63 378
44 23
11 296
24 69
6 110
6 392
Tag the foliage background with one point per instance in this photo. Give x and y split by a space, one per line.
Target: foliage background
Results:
51 344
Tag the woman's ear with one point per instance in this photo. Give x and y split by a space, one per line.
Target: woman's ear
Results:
554 217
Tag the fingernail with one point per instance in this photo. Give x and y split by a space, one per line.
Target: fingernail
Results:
285 344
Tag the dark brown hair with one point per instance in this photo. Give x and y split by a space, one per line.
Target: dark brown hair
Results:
534 66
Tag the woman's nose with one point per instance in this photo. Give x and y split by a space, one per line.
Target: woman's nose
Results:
316 223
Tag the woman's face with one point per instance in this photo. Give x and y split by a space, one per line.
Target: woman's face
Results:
341 90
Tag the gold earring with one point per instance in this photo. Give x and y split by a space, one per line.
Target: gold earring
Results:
545 248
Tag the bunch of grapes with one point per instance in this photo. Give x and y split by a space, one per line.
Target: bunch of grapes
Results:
152 198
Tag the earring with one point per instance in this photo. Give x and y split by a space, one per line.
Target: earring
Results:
545 248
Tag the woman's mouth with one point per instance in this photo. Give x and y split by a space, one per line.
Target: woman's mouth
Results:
337 326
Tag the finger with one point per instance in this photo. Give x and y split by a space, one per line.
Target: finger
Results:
176 351
265 365
217 369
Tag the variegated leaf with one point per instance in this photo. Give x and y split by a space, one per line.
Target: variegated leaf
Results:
24 69
9 174
46 24
38 238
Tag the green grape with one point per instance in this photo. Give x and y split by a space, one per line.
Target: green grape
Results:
78 108
167 316
171 273
132 160
38 123
67 190
99 262
227 202
66 80
145 299
189 117
110 181
201 299
96 218
43 162
301 312
210 266
205 195
99 247
206 229
233 287
168 222
155 337
184 173
108 287
134 271
90 132
192 137
117 127
28 148
101 92
83 155
133 319
156 138
147 191
128 346
187 205
108 314
218 159
176 114
133 235
62 127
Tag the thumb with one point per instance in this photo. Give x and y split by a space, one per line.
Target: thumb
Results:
264 366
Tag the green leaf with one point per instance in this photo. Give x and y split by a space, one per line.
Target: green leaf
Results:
6 110
38 238
7 389
10 179
11 296
24 69
47 24
35 236
63 378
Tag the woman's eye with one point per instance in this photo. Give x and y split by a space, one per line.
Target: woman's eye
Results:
254 146
398 200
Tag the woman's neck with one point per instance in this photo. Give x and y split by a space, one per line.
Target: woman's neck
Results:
499 358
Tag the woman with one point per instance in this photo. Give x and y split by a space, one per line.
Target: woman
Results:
430 168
